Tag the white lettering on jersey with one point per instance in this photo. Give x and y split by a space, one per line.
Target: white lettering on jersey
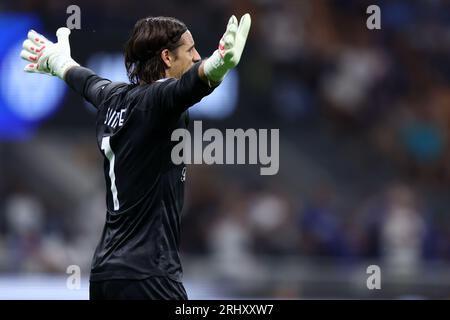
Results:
183 174
114 118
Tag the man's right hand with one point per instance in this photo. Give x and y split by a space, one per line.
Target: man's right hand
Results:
48 57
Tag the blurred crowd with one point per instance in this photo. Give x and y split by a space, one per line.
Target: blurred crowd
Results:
366 113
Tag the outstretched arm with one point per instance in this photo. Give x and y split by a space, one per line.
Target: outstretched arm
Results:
89 85
54 59
230 49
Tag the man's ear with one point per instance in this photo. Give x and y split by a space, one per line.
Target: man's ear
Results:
165 56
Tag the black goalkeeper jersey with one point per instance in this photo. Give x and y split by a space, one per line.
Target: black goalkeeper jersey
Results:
145 189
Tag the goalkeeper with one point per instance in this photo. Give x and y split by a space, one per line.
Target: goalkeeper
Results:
138 253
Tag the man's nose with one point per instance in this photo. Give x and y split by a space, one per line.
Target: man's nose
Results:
197 56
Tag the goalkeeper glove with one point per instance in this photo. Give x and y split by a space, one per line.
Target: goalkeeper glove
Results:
230 49
48 57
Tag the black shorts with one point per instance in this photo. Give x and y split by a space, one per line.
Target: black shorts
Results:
152 288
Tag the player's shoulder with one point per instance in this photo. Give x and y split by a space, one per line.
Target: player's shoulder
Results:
151 92
110 91
115 87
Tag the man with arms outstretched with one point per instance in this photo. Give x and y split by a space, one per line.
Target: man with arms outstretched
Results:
138 254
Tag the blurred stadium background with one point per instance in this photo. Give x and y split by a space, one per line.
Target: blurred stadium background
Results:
364 178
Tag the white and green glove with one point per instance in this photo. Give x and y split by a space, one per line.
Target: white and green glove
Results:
48 57
228 55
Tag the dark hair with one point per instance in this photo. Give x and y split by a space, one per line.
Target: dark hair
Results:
150 36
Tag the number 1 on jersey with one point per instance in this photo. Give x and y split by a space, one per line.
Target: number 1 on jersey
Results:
106 147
